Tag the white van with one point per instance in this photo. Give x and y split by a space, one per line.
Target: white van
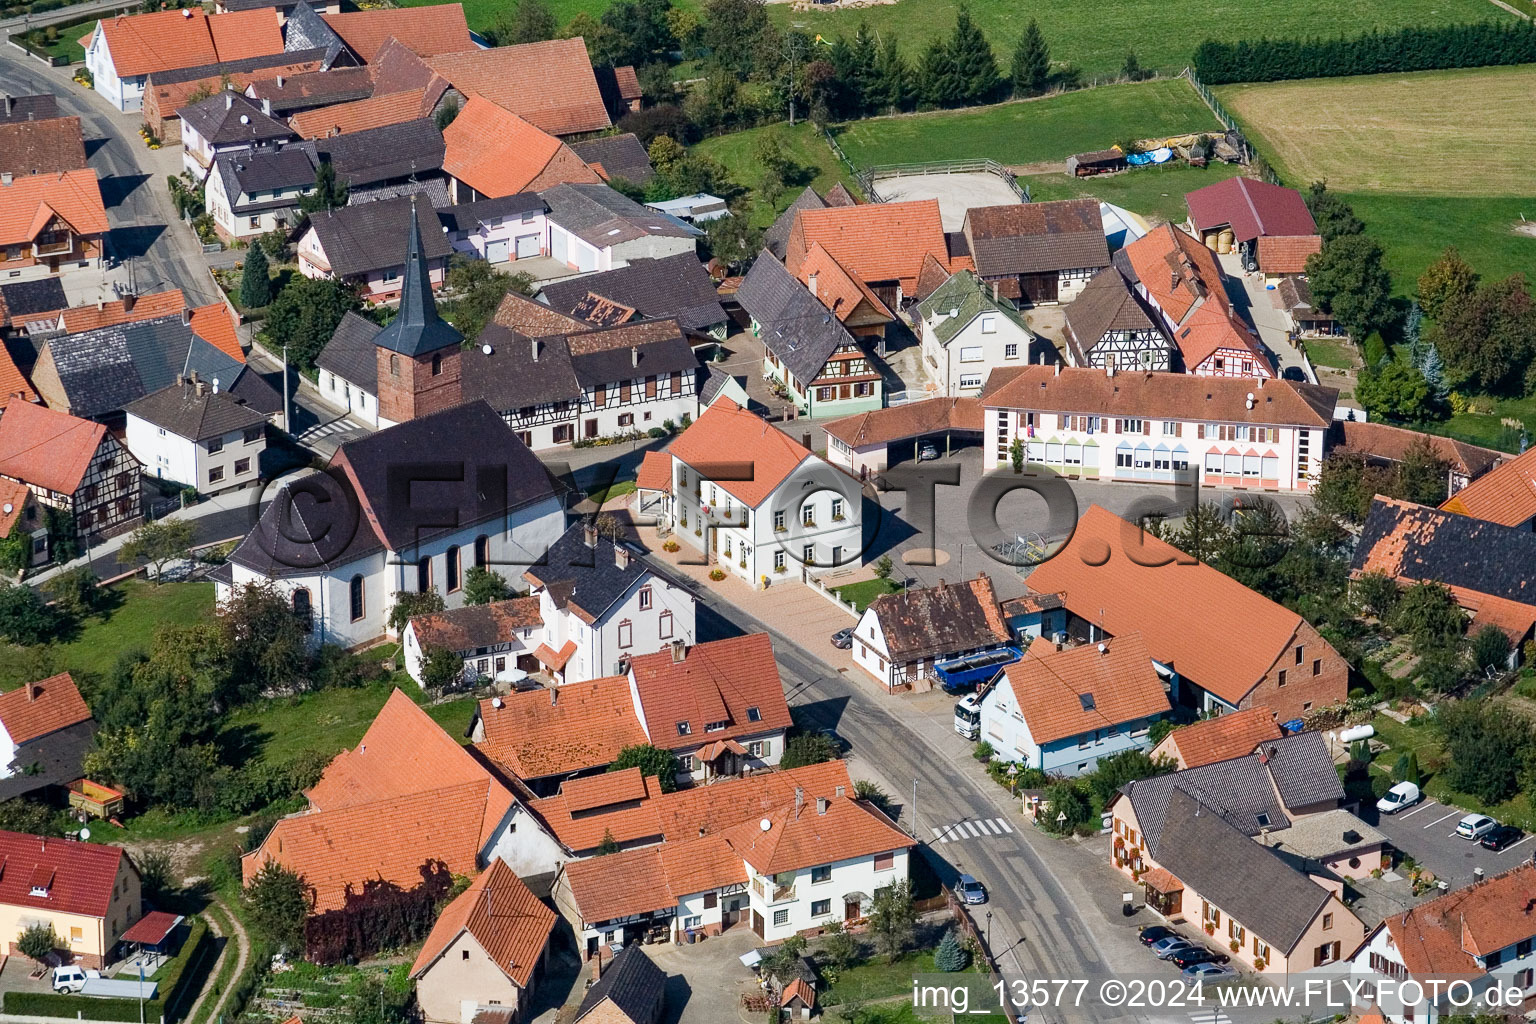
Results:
1404 794
72 978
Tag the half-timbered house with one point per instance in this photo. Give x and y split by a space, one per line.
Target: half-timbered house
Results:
1108 326
1037 252
83 478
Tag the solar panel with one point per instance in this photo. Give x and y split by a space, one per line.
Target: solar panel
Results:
1087 701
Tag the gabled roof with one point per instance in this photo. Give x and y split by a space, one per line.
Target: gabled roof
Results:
617 156
954 304
41 147
129 309
776 238
15 497
1252 208
476 625
1505 495
602 217
908 420
1287 254
229 118
14 388
1224 737
1077 690
351 353
932 275
655 472
29 204
632 882
468 217
428 31
1440 938
306 30
1176 270
1384 441
929 621
724 436
377 111
1106 304
290 92
632 983
497 153
46 706
1411 542
588 811
80 877
36 107
195 411
534 319
22 302
792 323
103 370
357 239
501 914
586 580
551 83
518 371
876 241
141 44
672 286
706 810
417 329
841 828
1032 238
575 727
628 351
47 448
371 155
619 86
169 91
841 292
733 681
1175 602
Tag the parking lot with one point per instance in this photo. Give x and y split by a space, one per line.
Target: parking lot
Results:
1427 833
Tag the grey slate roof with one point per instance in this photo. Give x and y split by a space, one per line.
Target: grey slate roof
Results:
417 329
468 217
965 296
306 30
512 376
629 351
385 153
715 383
1032 238
621 156
252 389
1459 551
51 760
103 370
197 417
777 236
310 89
434 191
793 324
673 286
1303 770
266 170
40 107
373 236
228 118
636 986
1105 304
599 215
588 578
351 353
23 299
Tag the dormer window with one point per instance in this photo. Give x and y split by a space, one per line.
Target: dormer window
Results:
754 714
42 881
1263 820
684 729
715 726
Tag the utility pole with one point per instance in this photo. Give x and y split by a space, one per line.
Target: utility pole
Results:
914 808
287 400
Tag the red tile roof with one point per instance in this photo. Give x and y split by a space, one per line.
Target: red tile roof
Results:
586 812
1175 602
80 876
1505 495
1234 734
876 241
724 436
29 204
909 420
505 918
360 115
14 386
701 863
141 44
1441 937
841 828
43 707
838 290
1076 690
655 472
1184 280
550 84
439 28
153 927
1392 443
77 319
47 448
579 725
706 809
215 324
555 659
722 681
1287 254
1252 209
619 884
497 153
14 498
241 34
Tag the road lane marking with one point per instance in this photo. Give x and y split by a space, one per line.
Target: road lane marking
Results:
991 828
938 834
1004 824
965 828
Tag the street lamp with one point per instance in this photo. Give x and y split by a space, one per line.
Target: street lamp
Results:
989 932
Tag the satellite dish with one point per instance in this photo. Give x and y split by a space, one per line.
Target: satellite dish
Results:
9 508
765 824
496 703
486 348
85 833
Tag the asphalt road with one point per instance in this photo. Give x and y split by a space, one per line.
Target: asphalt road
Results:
138 206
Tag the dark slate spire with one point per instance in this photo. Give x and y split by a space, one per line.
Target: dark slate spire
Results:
418 329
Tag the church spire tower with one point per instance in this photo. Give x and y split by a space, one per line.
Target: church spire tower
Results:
418 353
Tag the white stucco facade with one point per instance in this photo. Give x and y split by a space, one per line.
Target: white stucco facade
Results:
349 397
583 256
505 239
652 615
126 94
988 340
211 466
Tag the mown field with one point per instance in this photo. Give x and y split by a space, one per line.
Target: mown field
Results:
803 144
1156 193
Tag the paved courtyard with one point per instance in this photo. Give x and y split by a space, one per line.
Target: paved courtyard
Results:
956 193
1248 292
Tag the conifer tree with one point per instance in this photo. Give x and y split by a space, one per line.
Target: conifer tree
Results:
1031 68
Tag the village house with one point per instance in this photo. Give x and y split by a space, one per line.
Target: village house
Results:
900 637
1485 565
213 323
1160 427
1481 935
1293 297
493 640
763 499
166 92
601 606
87 892
33 107
546 737
23 304
85 480
1117 579
883 245
1222 738
1382 444
776 238
341 578
41 147
1268 226
630 990
1180 279
491 153
284 7
51 224
196 435
249 194
671 287
617 158
1108 326
498 230
1505 495
407 806
288 92
1037 252
549 84
849 299
124 50
818 364
588 383
1061 709
867 443
486 951
1180 834
226 123
380 110
45 732
360 245
425 31
1032 616
967 332
592 227
594 813
22 522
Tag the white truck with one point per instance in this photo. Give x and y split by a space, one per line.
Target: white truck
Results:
88 982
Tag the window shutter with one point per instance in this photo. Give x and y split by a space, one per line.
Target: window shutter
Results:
1146 428
1200 431
1117 424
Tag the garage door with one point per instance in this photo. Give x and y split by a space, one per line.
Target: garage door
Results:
557 245
496 250
527 245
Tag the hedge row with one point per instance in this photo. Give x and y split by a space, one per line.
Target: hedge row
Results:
1409 49
181 969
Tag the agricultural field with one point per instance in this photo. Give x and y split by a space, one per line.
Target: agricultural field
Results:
1156 193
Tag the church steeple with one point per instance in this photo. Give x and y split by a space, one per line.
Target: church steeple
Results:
418 353
417 329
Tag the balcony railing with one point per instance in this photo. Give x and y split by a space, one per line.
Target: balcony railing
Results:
53 248
783 894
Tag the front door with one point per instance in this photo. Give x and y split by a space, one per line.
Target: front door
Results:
850 910
591 428
757 924
837 554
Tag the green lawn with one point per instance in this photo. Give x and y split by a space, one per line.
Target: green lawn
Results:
1154 192
1414 229
1487 429
1324 352
619 488
803 144
876 979
865 591
130 622
1031 131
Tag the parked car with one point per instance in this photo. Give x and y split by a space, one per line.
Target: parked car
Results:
970 890
1502 838
72 977
1165 948
926 451
1404 794
1209 972
1155 933
1475 826
1199 955
843 639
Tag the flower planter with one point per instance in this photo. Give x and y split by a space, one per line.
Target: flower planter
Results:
1210 929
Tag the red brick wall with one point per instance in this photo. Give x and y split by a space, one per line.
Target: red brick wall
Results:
415 391
1302 689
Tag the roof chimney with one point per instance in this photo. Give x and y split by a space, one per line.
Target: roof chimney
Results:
799 801
199 387
679 652
810 282
186 315
34 691
822 803
554 695
5 178
941 583
266 107
181 378
1058 370
229 99
128 301
634 355
620 555
280 81
589 533
533 344
100 303
994 291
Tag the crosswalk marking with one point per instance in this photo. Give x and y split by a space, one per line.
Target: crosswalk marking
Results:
1004 825
976 828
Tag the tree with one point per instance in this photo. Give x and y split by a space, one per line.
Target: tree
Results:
36 941
891 86
1422 475
893 918
305 314
599 37
527 21
884 567
33 817
155 874
74 591
1433 369
1030 69
739 37
951 956
871 793
159 543
277 901
1490 649
15 552
663 764
441 669
1407 768
1376 594
1346 484
608 845
24 617
409 604
1117 770
482 586
1447 280
1016 453
1394 391
476 289
808 748
1203 534
641 31
936 83
1350 281
733 240
1131 70
1427 612
1066 797
1489 337
270 644
329 193
840 947
255 280
1334 217
974 65
1487 744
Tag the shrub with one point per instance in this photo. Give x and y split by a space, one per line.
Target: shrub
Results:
982 751
37 941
